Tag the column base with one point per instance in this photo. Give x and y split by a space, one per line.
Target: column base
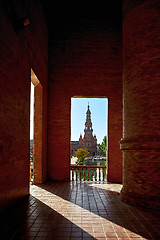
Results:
135 199
141 166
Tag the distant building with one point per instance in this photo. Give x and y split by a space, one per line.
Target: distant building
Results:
31 148
31 145
74 146
89 141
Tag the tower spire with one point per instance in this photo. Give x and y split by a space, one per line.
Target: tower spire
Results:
88 106
88 141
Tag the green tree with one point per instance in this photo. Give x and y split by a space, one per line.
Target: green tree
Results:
102 148
81 154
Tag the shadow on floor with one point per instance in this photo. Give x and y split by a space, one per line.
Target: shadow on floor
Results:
71 210
102 200
32 219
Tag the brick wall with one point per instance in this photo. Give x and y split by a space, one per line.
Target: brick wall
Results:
84 61
141 133
21 49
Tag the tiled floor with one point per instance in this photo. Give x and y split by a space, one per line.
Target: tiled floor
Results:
73 210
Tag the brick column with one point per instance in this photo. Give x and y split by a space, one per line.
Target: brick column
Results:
114 165
59 107
141 119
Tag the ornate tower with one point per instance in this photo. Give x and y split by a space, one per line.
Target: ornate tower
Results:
88 141
88 125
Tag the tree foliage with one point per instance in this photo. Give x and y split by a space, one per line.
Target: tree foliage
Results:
81 154
102 148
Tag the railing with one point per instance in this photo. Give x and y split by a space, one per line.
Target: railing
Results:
88 173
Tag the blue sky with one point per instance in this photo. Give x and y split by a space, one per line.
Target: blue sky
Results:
99 110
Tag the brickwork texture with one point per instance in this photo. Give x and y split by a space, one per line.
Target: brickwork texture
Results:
85 63
141 119
21 48
76 51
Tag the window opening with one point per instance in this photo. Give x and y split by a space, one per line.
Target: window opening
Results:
89 115
36 99
31 129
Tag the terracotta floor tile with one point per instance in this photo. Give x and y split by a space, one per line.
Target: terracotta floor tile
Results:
133 235
122 234
110 234
42 234
71 210
98 230
101 238
99 235
40 238
123 238
114 238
